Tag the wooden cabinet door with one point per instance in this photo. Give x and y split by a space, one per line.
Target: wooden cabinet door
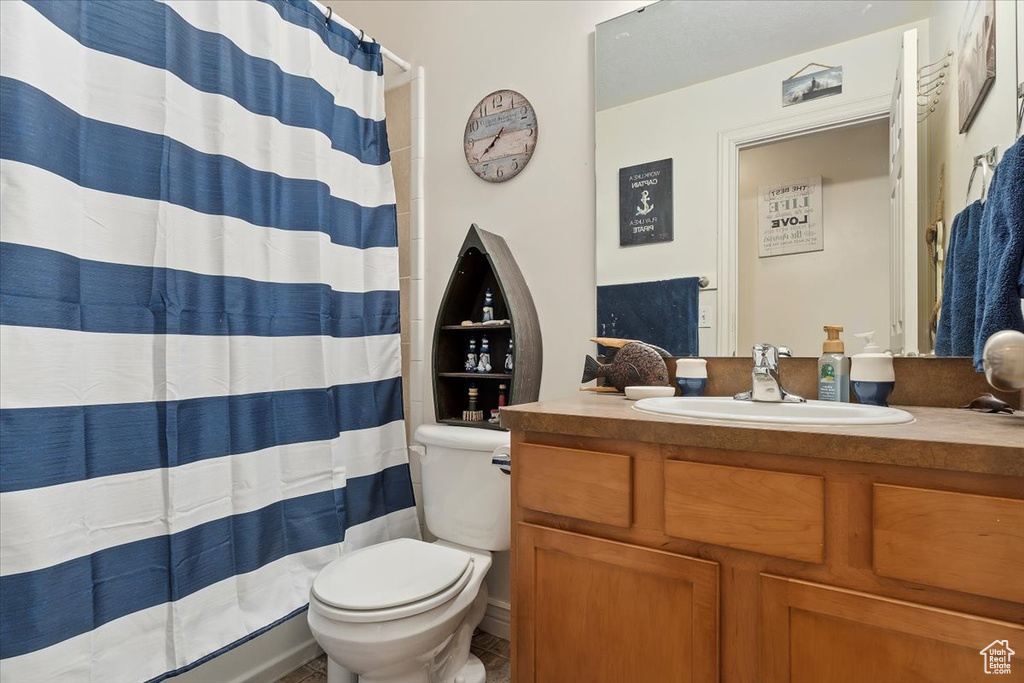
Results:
598 611
811 633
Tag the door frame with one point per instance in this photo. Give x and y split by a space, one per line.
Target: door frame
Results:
730 142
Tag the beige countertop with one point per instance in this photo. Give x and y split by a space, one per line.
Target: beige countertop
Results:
939 438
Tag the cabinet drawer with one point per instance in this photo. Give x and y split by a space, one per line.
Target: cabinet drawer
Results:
775 513
960 541
582 484
813 632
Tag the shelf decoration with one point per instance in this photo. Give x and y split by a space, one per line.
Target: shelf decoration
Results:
486 293
472 414
471 357
488 313
484 364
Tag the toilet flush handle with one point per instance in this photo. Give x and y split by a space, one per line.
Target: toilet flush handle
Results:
502 459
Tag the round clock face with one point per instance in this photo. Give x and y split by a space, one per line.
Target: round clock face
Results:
501 135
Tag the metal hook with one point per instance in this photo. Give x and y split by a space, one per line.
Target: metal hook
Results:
925 82
327 21
986 162
362 34
934 66
934 87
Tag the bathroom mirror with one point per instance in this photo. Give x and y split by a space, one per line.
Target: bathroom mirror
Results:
778 150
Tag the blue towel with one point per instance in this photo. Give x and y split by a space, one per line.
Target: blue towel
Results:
944 329
1001 253
663 313
955 334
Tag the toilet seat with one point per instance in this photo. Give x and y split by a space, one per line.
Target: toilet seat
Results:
391 580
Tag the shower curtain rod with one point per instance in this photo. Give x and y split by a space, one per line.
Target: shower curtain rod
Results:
328 12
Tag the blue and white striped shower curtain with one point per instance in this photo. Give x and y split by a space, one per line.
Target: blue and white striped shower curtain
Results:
200 391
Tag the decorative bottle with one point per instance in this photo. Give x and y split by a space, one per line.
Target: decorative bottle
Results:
471 358
472 397
508 357
502 398
484 364
488 314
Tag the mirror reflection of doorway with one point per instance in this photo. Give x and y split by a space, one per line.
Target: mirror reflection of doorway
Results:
787 299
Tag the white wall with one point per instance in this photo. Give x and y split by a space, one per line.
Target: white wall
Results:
684 124
994 124
787 299
546 214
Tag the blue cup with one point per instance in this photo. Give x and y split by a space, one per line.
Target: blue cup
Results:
873 393
691 386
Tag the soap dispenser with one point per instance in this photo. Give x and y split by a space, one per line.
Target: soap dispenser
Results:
833 368
871 373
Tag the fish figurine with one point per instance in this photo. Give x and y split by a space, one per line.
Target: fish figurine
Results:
635 364
989 404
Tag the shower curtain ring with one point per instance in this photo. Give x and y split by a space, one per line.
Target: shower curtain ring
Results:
362 33
327 21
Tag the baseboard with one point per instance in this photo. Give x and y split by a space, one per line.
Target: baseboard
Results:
263 659
497 619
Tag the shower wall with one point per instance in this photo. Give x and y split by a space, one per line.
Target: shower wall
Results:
397 104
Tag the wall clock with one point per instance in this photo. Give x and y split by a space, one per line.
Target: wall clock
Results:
501 135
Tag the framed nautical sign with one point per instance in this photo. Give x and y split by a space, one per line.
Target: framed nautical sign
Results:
645 203
789 218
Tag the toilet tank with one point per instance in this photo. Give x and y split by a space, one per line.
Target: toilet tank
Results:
466 499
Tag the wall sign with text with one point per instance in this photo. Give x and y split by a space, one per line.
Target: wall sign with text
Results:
789 218
645 203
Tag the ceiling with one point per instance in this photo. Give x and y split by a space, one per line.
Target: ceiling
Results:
676 43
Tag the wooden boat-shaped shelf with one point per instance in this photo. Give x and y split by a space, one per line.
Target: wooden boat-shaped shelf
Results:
485 261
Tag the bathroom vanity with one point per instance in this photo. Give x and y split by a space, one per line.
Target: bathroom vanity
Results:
650 548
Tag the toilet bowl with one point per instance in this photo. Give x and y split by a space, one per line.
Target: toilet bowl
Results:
404 611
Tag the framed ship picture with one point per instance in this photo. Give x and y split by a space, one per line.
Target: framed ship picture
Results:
801 87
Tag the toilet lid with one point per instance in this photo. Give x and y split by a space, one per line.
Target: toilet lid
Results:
389 574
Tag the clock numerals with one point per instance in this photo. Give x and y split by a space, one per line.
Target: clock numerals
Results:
474 125
496 101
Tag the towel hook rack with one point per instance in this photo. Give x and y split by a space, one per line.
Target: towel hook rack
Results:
940 63
986 162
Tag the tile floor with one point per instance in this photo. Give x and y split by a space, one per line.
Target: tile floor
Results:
492 651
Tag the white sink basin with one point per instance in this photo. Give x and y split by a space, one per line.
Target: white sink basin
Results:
810 413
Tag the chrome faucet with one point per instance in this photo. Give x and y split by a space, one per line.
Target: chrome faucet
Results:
765 376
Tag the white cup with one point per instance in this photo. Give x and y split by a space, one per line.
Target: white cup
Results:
692 368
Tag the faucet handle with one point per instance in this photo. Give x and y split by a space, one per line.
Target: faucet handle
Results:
763 356
767 355
784 351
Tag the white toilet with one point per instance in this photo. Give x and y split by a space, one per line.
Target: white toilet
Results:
404 611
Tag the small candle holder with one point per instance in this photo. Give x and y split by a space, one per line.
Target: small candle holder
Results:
691 376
